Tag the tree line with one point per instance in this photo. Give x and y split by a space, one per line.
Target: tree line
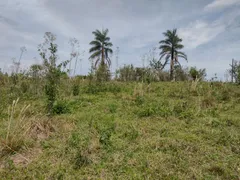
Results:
48 75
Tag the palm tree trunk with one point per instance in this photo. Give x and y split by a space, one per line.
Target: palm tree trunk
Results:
172 64
102 62
171 70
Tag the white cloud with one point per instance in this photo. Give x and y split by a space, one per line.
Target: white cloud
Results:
221 4
200 32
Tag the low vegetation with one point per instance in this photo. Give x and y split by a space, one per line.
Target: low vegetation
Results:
127 130
137 125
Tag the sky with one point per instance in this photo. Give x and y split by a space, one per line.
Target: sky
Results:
210 29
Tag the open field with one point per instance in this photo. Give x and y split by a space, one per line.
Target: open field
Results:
166 130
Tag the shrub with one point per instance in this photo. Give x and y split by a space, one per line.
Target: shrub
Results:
139 100
24 87
75 89
80 160
61 107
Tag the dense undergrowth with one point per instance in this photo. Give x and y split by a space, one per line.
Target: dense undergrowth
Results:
116 130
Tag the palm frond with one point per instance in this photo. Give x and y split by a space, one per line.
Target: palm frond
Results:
95 48
94 55
95 43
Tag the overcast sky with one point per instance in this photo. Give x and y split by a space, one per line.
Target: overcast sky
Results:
210 29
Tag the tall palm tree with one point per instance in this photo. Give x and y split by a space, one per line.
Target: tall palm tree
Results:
101 48
170 49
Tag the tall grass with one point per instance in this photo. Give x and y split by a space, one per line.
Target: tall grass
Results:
18 127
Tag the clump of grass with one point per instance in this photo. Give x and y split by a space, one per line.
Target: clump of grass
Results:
18 128
61 107
112 108
75 89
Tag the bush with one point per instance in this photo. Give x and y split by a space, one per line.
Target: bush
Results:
24 87
61 107
75 89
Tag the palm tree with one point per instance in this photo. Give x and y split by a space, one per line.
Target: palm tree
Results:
170 49
101 48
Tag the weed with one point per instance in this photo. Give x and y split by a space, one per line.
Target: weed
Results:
61 107
80 160
75 89
17 130
112 108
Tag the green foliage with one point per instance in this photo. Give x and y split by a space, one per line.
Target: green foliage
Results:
100 50
197 74
102 73
80 160
24 86
121 129
112 108
96 88
60 107
53 71
139 100
76 89
170 49
131 73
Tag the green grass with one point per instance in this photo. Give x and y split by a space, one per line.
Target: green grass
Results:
132 131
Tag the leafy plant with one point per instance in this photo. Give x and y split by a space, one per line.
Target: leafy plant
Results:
48 52
197 74
61 107
75 89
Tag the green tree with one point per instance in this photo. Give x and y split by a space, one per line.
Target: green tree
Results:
100 51
48 52
197 74
170 49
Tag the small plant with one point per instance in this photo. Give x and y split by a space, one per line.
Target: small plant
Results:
24 87
146 112
60 107
139 100
197 74
75 89
105 136
106 133
80 160
48 52
112 108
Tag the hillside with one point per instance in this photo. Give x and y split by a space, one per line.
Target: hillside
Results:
117 130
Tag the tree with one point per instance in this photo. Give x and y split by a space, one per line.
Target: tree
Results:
170 49
197 74
100 50
48 52
235 71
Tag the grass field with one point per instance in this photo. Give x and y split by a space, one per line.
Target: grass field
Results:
166 130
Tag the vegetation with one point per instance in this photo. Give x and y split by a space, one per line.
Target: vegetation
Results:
170 49
135 126
52 70
235 71
101 49
197 74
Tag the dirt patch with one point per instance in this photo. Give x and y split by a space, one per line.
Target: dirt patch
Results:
26 157
22 158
